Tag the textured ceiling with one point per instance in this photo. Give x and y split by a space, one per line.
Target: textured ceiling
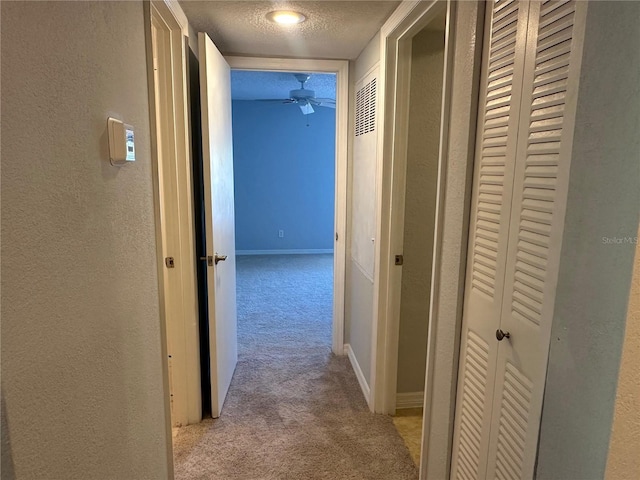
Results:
247 85
334 29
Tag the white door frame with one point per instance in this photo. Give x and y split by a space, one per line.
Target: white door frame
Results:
171 153
407 21
455 168
396 62
341 69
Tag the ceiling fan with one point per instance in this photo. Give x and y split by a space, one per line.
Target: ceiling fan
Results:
305 98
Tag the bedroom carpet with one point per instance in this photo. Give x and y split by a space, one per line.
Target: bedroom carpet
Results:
294 410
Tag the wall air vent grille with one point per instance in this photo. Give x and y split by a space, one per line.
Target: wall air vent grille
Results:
366 108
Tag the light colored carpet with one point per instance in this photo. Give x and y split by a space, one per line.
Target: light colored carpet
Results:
294 411
408 422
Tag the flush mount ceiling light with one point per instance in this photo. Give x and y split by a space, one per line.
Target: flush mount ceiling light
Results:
286 17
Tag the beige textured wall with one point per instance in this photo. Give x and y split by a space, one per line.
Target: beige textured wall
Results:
420 206
368 58
359 283
82 380
359 310
624 447
594 278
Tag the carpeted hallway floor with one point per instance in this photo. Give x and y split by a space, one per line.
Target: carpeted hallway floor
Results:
294 411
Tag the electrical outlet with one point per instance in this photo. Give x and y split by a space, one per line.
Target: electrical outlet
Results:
280 233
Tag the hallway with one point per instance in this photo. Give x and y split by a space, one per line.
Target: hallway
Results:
294 411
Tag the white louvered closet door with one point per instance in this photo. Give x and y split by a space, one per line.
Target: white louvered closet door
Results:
551 71
499 109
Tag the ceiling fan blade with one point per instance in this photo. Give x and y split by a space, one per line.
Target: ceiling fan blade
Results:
277 100
323 102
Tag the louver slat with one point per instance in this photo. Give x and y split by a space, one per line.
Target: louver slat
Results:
472 407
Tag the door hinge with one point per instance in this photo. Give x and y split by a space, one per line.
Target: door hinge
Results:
336 236
170 262
209 260
399 259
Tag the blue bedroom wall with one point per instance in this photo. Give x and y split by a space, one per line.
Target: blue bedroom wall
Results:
284 176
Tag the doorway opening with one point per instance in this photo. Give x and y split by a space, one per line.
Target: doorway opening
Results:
284 127
200 232
174 233
425 54
311 153
288 202
419 216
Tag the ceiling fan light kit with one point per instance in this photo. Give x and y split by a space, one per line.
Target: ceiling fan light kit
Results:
306 109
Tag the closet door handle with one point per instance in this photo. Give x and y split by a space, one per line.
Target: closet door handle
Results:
500 335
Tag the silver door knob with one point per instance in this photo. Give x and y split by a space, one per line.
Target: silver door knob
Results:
500 335
220 258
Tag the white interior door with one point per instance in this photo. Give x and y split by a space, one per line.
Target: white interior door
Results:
217 157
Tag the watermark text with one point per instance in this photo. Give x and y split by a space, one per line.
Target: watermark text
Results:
620 240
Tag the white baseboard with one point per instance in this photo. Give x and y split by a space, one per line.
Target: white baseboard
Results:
358 371
409 400
300 251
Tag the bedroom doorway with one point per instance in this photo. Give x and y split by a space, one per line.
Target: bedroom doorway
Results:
284 128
